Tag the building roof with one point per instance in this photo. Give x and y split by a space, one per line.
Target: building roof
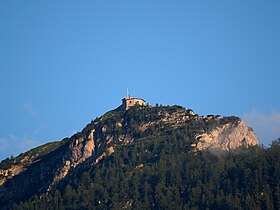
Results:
134 98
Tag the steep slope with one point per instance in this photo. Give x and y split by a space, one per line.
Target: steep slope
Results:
45 168
227 137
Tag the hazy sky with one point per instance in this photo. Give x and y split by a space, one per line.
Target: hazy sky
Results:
64 63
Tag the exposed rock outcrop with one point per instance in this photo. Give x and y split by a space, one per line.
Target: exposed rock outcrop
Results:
81 149
227 137
40 169
47 170
7 174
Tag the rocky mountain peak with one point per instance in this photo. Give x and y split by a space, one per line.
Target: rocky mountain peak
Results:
227 137
44 167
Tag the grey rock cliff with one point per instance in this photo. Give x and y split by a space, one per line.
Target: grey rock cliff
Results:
227 137
39 171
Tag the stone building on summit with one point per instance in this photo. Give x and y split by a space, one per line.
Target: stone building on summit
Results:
128 102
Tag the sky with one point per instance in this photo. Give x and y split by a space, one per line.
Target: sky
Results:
64 63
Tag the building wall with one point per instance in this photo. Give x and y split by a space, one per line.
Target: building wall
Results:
132 102
129 102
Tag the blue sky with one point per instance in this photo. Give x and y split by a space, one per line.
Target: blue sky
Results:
64 63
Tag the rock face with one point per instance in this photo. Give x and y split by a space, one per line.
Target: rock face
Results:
6 174
45 171
40 169
227 137
79 150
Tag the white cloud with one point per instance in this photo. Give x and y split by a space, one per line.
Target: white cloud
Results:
26 144
29 109
266 125
13 145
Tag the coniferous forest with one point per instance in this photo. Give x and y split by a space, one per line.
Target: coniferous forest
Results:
162 171
173 179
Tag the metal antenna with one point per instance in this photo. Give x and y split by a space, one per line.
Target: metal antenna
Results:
126 92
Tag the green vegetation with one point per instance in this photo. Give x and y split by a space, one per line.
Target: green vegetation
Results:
27 157
162 174
159 168
7 163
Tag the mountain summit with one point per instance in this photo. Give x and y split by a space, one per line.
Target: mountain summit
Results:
133 136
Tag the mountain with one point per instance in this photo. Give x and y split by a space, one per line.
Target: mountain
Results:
143 157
